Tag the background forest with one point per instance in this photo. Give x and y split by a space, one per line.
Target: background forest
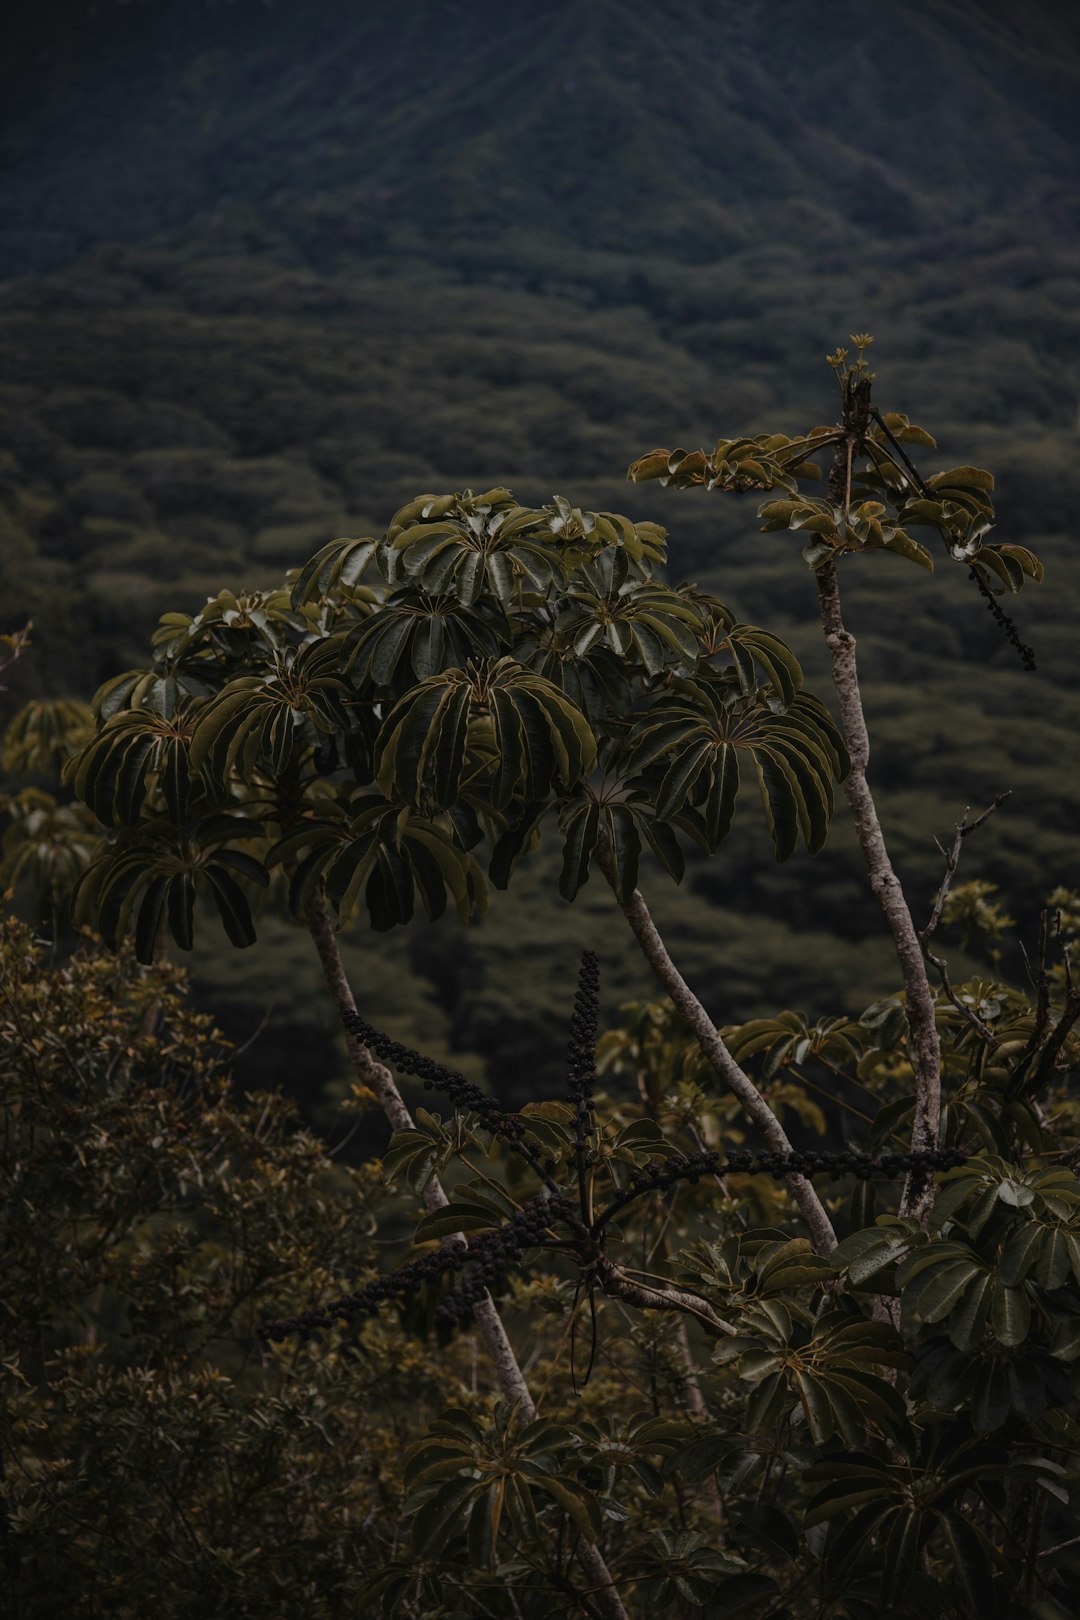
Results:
268 273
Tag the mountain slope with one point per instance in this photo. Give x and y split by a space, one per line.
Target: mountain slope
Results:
610 124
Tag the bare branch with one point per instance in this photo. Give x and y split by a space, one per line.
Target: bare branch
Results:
964 828
378 1077
615 1282
712 1045
1048 1552
1042 1009
923 1043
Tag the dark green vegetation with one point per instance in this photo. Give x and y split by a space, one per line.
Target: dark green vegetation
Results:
148 1450
867 1403
757 1459
784 1322
270 274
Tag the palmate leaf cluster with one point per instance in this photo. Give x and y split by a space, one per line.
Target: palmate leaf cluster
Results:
884 494
409 711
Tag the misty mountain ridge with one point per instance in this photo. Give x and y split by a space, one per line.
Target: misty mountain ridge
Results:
612 126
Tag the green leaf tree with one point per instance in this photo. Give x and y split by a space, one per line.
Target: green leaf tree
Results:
875 494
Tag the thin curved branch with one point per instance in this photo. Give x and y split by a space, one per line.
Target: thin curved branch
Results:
615 1282
939 963
712 1045
378 1077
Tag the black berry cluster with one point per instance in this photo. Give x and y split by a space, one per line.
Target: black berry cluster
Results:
486 1259
658 1175
493 1255
844 1163
1005 623
365 1301
436 1077
581 1048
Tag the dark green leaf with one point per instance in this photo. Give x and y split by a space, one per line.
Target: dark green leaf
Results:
232 905
579 842
181 909
149 918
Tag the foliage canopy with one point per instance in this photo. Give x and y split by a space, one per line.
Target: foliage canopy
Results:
764 1379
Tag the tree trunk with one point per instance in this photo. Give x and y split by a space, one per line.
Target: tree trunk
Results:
924 1047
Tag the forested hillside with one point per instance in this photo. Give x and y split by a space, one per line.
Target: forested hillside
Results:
270 271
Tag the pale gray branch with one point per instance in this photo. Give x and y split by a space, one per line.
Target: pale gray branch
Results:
615 1282
374 1074
712 1045
923 1044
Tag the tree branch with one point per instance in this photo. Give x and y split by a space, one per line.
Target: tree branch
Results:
378 1077
615 1282
712 1045
923 1044
952 861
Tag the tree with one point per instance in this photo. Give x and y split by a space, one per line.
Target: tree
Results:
411 702
870 467
514 651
